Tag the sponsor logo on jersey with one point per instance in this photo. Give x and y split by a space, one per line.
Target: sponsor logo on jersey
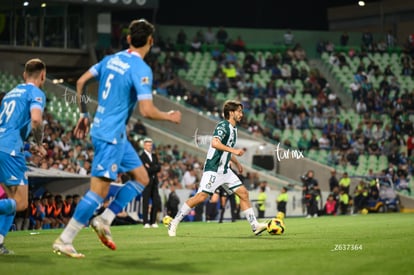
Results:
144 80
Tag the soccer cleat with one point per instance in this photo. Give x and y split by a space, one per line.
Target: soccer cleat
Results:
154 225
66 249
5 251
172 229
260 227
147 225
103 232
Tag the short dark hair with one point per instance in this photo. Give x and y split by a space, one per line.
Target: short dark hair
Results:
140 30
230 106
34 66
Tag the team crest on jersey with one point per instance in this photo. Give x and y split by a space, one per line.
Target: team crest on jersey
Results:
144 80
114 167
39 99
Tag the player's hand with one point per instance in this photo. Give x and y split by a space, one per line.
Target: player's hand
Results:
238 152
239 167
82 128
38 150
175 116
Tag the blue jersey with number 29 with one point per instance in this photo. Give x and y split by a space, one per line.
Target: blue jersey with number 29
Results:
15 118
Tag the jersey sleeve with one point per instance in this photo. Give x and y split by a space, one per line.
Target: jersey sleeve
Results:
221 131
37 100
94 70
142 83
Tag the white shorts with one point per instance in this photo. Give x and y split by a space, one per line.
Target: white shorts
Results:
210 181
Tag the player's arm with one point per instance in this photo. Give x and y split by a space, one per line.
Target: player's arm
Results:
149 110
237 163
37 125
36 116
82 127
216 144
80 91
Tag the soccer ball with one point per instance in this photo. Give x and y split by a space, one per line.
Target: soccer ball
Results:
276 226
166 220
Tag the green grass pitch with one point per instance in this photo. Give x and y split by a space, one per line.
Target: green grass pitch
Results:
362 244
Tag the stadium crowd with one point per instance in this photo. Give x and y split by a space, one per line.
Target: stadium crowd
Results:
271 110
279 113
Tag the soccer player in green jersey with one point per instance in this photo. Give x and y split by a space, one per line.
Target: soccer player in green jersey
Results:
217 171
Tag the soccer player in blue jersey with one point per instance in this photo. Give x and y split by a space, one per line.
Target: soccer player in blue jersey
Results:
124 78
217 171
21 112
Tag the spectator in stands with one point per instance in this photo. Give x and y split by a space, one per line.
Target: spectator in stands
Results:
209 36
181 38
303 142
402 183
196 44
314 142
150 195
139 128
324 142
30 102
111 145
410 143
85 169
222 36
367 41
238 45
288 38
343 39
390 39
189 179
333 180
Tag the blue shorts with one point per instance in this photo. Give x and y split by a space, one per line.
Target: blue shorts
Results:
12 169
110 159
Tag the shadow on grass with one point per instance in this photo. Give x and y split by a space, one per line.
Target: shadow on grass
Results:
149 264
23 259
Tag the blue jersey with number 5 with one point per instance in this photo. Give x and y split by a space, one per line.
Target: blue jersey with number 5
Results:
15 119
123 78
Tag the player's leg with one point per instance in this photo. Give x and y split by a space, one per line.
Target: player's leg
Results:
208 183
104 170
15 184
132 164
236 185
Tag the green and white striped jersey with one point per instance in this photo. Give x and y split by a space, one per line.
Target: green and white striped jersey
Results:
218 161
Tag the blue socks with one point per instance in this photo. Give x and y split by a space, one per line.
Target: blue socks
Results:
7 212
130 190
7 206
86 207
6 222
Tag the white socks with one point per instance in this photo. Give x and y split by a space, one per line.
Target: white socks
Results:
71 230
108 216
185 209
251 217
